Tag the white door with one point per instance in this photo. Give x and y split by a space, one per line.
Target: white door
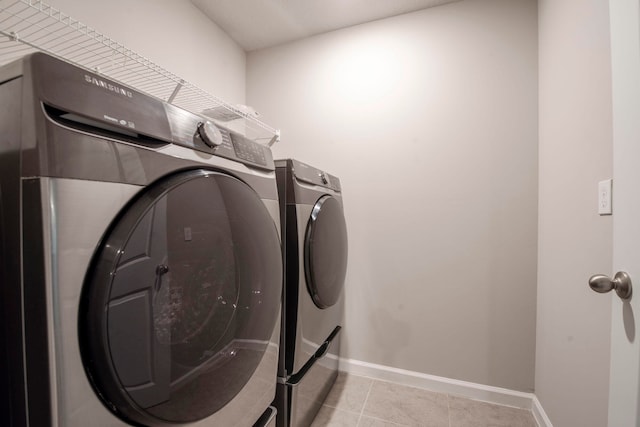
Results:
624 395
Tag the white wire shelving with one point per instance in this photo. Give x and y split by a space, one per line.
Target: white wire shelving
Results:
27 26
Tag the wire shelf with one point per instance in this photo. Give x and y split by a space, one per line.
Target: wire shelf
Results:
27 26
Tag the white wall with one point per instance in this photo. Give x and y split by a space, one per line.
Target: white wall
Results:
173 34
573 322
430 121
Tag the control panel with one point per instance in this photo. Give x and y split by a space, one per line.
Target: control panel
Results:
89 99
200 134
248 150
311 175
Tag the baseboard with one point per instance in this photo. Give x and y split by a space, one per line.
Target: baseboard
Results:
497 395
538 413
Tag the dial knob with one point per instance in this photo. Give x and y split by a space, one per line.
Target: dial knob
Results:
323 178
209 134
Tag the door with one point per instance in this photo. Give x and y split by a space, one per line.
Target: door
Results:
624 396
181 299
325 252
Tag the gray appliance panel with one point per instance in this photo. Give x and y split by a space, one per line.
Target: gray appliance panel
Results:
75 215
77 96
80 182
311 175
11 328
71 153
314 325
76 90
306 326
307 396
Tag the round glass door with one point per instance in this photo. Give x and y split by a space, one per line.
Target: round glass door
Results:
325 256
182 299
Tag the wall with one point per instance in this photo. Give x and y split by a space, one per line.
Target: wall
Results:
573 322
173 34
430 121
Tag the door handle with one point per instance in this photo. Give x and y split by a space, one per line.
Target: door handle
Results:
621 282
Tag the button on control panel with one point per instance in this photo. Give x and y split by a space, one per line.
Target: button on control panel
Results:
323 177
248 150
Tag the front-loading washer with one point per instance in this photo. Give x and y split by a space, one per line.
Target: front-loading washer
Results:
314 236
140 257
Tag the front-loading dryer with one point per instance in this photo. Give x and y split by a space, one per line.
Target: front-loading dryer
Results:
314 236
141 263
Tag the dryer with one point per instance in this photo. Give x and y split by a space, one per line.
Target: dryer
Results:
314 236
140 258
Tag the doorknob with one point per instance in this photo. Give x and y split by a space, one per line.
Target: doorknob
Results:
621 283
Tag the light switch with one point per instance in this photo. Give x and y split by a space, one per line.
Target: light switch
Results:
604 197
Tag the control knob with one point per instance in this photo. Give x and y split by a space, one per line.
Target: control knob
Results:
209 134
323 178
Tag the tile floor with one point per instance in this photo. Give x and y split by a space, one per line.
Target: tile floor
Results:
363 402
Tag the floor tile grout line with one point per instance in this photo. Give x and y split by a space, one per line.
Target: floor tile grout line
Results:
387 421
342 409
449 397
364 404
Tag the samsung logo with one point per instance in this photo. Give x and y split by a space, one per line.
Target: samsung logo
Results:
108 86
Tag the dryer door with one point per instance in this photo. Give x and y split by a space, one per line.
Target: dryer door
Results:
181 300
325 252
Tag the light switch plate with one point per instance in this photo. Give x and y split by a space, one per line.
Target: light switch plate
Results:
604 197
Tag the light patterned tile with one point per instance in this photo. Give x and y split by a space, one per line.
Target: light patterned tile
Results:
473 413
332 417
349 392
407 405
374 422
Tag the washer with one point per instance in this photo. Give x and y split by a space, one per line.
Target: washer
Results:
141 258
314 236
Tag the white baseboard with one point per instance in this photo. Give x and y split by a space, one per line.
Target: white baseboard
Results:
538 413
497 395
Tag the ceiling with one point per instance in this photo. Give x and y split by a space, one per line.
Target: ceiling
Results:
256 24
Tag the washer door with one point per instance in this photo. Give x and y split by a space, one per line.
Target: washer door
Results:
181 300
325 252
